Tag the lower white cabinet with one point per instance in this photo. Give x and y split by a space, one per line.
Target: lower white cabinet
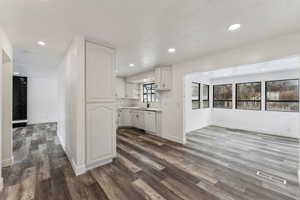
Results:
146 120
134 118
100 129
150 122
124 117
141 119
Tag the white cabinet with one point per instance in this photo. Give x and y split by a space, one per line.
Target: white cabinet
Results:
100 105
124 117
137 119
146 120
163 78
141 119
99 73
100 129
134 118
150 122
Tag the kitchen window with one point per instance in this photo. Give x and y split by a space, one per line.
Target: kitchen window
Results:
195 95
222 96
149 94
282 95
248 96
205 96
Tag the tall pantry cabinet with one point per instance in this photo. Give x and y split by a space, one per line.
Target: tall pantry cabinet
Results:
100 105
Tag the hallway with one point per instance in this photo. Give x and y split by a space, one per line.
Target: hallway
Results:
39 158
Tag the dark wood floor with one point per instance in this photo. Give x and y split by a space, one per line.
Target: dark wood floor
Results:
216 163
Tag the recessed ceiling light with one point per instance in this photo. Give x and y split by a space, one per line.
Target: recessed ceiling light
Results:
171 50
131 65
41 43
234 27
16 73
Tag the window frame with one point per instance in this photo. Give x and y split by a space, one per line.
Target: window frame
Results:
208 90
236 97
281 101
199 96
151 93
222 100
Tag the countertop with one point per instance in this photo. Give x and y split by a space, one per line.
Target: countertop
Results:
143 109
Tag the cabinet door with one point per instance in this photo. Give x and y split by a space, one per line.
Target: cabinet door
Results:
99 73
163 78
126 117
157 73
141 120
101 130
150 122
134 118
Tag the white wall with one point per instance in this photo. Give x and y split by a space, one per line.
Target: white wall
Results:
5 50
276 123
42 100
197 118
7 152
71 128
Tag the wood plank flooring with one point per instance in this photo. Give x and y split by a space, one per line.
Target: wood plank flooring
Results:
215 164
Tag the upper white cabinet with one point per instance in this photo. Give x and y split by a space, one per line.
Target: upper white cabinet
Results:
163 78
99 73
100 105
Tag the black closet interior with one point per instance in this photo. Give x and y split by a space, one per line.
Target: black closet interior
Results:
19 101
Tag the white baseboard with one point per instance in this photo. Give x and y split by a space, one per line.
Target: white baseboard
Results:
78 169
98 163
8 162
173 139
1 184
299 177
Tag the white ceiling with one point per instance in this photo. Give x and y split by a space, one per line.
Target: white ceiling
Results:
290 63
141 30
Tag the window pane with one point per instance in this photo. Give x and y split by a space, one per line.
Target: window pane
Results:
149 93
222 96
195 104
156 98
153 99
145 98
282 90
248 105
205 104
223 92
195 91
205 92
248 91
283 106
222 104
149 98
